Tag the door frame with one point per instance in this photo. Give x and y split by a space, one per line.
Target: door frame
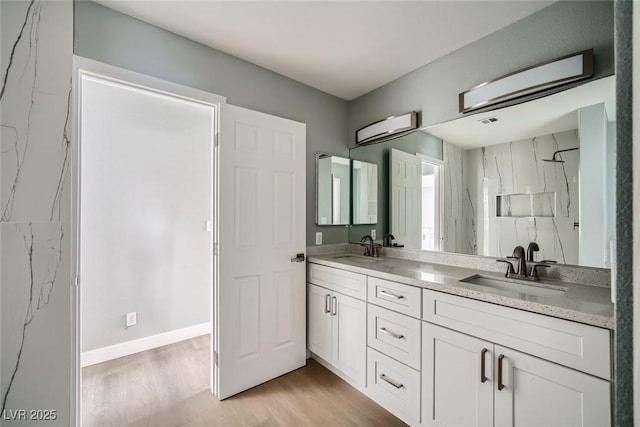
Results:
439 196
85 66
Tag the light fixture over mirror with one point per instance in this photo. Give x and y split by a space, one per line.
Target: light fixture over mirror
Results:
566 69
387 128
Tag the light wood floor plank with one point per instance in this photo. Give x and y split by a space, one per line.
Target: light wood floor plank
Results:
169 386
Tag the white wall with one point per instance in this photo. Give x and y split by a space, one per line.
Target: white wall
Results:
592 127
146 196
35 284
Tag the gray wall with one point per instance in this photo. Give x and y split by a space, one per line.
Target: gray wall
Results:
117 39
560 29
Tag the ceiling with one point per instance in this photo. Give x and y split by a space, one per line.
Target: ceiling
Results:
344 48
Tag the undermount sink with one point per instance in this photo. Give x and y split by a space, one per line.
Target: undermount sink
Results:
536 289
358 258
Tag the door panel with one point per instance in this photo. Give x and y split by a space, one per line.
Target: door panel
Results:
453 392
406 198
319 322
260 292
540 393
350 336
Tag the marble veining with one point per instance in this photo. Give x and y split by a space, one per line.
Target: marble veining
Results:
35 208
581 303
472 223
42 269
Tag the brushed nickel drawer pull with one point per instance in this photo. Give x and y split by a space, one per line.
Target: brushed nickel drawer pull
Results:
500 385
334 306
483 376
391 334
390 295
327 303
393 383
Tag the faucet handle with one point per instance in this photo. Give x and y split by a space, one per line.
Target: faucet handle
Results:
534 271
510 269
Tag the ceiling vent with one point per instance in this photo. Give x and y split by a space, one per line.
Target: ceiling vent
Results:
391 127
488 120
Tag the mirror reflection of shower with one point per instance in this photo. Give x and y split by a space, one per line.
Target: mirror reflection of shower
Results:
559 157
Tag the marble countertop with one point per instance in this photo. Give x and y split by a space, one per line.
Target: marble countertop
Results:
586 304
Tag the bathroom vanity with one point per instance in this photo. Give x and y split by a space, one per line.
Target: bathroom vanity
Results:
437 347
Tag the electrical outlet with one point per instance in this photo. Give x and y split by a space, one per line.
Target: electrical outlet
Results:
318 237
373 234
132 319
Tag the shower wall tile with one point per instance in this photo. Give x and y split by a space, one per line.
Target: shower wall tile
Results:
476 177
36 342
35 278
34 165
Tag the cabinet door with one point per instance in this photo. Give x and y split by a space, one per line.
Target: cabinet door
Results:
454 390
319 324
540 393
350 336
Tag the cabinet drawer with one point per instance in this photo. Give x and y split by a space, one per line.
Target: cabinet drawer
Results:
394 386
395 335
582 347
402 298
345 282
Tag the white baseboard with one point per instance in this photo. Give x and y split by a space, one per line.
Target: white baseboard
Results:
115 351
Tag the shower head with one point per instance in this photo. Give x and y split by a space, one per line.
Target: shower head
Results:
555 159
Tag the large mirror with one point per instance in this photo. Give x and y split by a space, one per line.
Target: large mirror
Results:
364 202
333 189
541 171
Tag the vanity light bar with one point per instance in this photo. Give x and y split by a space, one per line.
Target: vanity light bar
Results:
556 72
387 127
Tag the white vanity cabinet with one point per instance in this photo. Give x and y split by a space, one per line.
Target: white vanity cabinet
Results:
478 380
337 323
394 340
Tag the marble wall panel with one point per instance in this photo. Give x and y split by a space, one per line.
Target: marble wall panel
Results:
35 211
476 177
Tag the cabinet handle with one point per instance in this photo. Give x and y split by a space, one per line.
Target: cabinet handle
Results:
327 303
392 334
390 295
500 385
334 307
483 376
390 381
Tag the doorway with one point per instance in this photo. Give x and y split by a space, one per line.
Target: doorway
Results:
144 218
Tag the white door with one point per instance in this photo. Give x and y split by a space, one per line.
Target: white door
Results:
456 390
260 291
319 323
540 393
349 336
406 198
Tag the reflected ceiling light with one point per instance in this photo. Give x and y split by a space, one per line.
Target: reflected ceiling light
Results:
556 72
387 128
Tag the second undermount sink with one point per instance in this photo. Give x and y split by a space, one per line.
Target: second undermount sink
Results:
535 289
357 258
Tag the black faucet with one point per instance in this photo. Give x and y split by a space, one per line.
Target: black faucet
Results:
386 241
533 247
369 248
518 253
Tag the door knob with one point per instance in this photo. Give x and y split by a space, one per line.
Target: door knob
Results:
298 258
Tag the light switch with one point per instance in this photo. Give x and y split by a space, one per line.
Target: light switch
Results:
373 234
318 237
